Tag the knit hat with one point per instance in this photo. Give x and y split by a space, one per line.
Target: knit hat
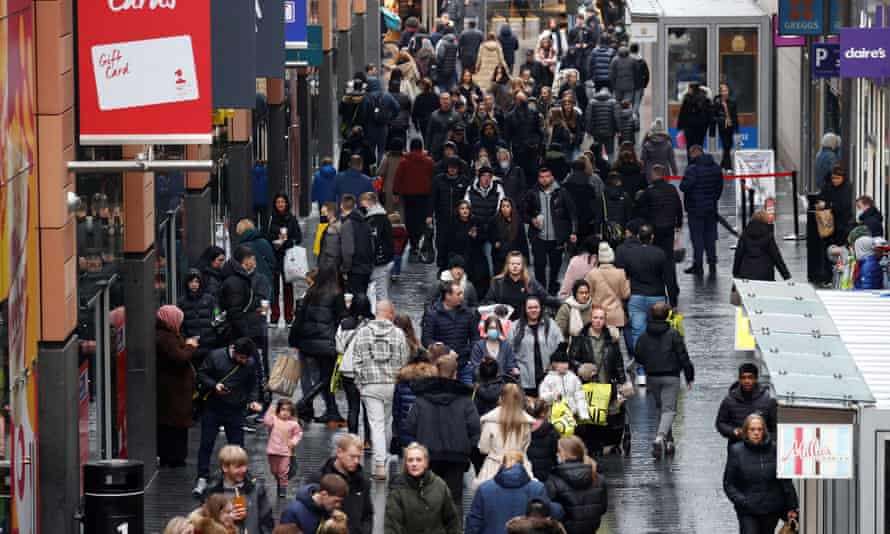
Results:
456 260
605 254
560 355
657 126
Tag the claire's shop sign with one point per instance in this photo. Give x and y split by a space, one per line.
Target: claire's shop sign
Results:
144 71
865 53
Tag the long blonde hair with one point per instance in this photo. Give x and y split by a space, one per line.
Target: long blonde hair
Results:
512 416
526 276
571 448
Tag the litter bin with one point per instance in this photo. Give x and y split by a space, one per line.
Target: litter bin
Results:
113 497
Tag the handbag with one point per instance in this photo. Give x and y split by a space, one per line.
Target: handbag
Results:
679 251
825 223
425 246
562 419
296 264
285 375
613 232
790 526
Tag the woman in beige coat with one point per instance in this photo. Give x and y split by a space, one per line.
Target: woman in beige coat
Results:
490 56
609 286
507 427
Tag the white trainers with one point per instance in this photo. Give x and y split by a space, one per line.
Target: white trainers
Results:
200 488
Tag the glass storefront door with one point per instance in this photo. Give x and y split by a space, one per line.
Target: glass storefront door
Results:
739 70
687 62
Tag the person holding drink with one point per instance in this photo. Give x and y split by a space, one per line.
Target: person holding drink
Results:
251 508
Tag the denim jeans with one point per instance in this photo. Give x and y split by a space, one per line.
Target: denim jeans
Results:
377 399
380 282
211 420
638 309
396 264
638 98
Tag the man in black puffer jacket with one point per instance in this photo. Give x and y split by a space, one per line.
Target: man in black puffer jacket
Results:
745 397
450 321
703 185
447 190
445 420
582 493
240 296
587 192
660 206
661 350
601 118
357 246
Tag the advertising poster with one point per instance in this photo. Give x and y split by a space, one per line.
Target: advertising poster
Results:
754 162
144 72
814 451
295 21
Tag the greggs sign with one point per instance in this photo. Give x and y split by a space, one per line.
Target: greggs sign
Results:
814 451
144 70
865 53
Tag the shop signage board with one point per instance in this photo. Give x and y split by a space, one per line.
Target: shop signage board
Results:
644 32
865 53
780 41
814 451
295 24
807 17
826 60
145 72
269 39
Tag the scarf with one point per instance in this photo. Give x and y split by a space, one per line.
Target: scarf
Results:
540 373
576 322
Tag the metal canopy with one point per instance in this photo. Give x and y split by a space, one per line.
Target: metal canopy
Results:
802 346
710 8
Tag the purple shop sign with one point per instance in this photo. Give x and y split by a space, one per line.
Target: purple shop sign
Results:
865 53
785 40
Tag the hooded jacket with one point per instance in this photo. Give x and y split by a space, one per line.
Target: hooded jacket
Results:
702 185
501 499
661 350
239 298
736 406
602 115
315 327
600 60
869 274
542 449
583 499
403 400
757 256
750 482
509 44
456 328
444 418
658 148
619 204
197 310
622 71
266 261
379 351
357 505
484 204
563 212
323 185
414 174
873 219
420 505
587 192
356 244
303 510
381 232
259 518
376 99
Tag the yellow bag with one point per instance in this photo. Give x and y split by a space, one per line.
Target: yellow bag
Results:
562 419
337 376
676 321
597 397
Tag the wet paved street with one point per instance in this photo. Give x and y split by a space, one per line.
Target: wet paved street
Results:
682 495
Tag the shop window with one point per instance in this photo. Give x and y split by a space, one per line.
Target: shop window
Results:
687 60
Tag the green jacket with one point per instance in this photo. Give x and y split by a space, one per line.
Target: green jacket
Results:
266 261
420 505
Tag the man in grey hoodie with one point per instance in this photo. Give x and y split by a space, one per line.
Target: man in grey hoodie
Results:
658 149
622 74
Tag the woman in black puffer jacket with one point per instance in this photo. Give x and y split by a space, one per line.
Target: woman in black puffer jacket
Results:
313 333
197 307
757 257
750 482
210 265
578 488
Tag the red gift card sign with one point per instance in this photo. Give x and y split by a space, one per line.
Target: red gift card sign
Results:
144 72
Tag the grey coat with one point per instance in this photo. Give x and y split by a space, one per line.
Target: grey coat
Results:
329 256
622 72
525 355
658 148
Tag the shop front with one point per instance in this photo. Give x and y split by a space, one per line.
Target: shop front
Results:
824 353
713 43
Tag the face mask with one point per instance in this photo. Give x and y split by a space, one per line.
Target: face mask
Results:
505 165
493 334
859 213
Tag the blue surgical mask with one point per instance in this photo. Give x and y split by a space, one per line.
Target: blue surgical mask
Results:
493 334
859 213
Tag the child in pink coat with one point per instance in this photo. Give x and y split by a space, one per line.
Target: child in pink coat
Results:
284 434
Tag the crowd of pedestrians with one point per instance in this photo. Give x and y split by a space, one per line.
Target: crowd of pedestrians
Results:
553 231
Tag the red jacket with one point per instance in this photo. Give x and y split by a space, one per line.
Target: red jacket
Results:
414 175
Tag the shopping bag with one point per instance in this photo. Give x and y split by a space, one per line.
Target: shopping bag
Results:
296 264
676 321
681 140
825 223
562 419
598 397
285 375
789 527
425 246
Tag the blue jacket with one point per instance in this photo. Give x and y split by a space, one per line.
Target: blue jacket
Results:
870 275
501 499
456 328
403 400
323 185
703 185
303 511
825 160
353 183
506 359
600 60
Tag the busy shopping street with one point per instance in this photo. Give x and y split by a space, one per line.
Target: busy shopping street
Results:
444 266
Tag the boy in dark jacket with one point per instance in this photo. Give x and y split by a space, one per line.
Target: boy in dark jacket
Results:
445 420
256 514
661 350
868 214
315 502
746 396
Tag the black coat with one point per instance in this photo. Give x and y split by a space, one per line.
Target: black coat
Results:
356 237
509 44
562 211
649 271
212 280
462 243
446 57
523 129
239 298
500 233
583 499
244 383
601 116
484 206
633 179
513 181
381 232
757 256
446 192
277 221
424 106
468 45
702 185
542 450
457 328
197 311
357 145
357 505
736 406
315 327
840 201
488 395
437 130
662 352
504 290
695 116
660 206
720 115
586 193
444 418
873 219
619 205
750 482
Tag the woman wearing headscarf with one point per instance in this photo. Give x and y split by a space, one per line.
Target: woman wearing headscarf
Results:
574 314
175 385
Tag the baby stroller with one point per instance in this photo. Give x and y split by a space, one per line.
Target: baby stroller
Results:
607 430
613 437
